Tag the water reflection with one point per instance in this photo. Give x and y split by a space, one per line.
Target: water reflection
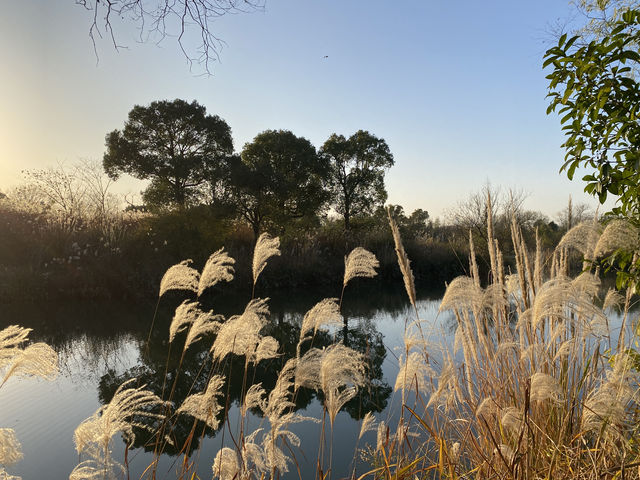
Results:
102 345
158 371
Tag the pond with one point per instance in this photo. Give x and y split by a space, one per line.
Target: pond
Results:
101 345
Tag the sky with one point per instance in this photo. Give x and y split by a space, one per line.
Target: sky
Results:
455 87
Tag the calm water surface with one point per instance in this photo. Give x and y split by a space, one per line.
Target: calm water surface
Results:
100 345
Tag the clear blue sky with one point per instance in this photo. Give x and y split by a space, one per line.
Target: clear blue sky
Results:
455 87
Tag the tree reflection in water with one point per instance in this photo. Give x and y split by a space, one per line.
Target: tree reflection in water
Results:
197 367
112 340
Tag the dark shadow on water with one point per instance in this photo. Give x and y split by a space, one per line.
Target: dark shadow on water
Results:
108 327
196 369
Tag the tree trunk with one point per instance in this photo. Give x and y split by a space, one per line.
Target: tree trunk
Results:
255 226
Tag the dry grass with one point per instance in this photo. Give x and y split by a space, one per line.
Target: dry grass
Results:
538 383
17 360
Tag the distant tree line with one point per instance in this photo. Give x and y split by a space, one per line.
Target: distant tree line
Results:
277 179
64 234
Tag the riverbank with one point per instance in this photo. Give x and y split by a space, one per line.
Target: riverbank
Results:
124 258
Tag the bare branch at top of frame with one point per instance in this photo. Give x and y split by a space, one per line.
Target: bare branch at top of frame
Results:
156 20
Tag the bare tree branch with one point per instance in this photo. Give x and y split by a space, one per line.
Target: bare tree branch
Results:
160 19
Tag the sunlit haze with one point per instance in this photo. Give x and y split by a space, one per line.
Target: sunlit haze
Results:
455 88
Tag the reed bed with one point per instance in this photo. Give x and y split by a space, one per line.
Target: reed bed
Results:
539 383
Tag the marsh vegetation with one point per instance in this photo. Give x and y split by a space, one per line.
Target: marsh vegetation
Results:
539 380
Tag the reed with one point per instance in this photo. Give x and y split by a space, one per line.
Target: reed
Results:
537 382
20 360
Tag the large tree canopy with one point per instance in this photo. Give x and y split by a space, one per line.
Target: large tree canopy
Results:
175 144
279 177
357 168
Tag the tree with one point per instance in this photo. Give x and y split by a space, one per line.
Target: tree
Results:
357 167
591 86
472 213
418 223
572 215
174 144
413 226
157 19
601 16
70 195
594 86
279 177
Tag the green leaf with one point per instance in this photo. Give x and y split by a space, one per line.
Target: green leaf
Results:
571 41
562 39
566 117
602 196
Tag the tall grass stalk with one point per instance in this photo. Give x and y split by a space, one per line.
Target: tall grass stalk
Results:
538 384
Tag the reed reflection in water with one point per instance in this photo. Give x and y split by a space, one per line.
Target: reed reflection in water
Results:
100 346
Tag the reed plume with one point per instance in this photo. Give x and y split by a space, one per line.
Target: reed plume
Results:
180 277
123 413
403 260
254 399
414 371
279 411
267 348
382 434
618 234
266 247
487 408
608 404
98 469
38 359
511 419
583 237
219 268
10 448
462 293
240 335
186 313
253 455
359 263
368 424
325 312
5 476
265 455
448 391
336 370
612 300
205 406
545 387
205 323
225 465
10 340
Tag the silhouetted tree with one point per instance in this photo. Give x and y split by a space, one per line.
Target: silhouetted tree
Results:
278 178
357 166
174 144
